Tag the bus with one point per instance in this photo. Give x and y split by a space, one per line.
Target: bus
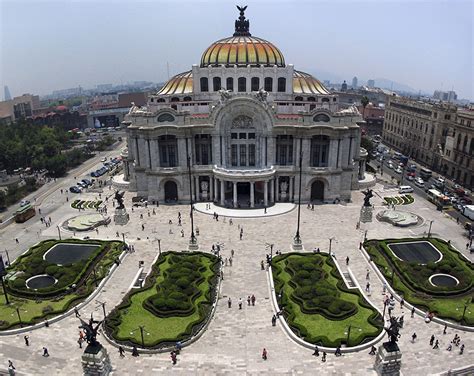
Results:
437 198
24 213
425 174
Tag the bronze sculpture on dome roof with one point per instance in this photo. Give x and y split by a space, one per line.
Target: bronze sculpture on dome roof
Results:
242 25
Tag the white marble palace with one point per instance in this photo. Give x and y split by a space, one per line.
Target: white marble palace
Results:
240 120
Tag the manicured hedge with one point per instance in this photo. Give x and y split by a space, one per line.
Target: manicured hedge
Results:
176 296
327 293
83 204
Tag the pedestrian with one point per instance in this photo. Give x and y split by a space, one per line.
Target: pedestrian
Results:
461 350
402 302
338 351
135 351
264 354
179 221
240 236
262 265
347 260
27 340
230 262
182 233
367 276
121 352
229 302
413 337
445 328
230 222
240 303
45 352
253 299
367 287
432 339
248 300
173 357
232 252
384 288
143 227
372 350
16 240
450 347
79 342
323 358
225 261
222 275
413 311
436 345
10 364
274 319
76 312
316 350
81 335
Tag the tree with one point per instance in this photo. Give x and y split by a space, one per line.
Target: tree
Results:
368 145
364 101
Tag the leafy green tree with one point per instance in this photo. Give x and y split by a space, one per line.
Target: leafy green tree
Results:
364 101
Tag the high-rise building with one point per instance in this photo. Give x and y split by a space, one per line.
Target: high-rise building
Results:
371 83
354 82
447 96
7 94
344 86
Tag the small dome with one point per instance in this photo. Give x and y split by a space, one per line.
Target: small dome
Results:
304 83
182 83
242 50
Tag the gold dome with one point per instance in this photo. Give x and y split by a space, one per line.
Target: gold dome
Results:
180 84
304 83
242 50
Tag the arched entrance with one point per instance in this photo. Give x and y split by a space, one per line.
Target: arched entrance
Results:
317 190
171 191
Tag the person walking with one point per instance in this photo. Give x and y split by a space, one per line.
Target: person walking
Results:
248 300
413 337
274 319
461 350
27 340
372 350
264 354
432 339
413 312
240 303
367 287
402 303
436 345
338 351
173 357
232 253
229 302
347 260
253 299
445 328
316 350
135 351
323 358
45 352
121 352
76 312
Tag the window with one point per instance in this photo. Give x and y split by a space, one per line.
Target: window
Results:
168 147
311 99
284 150
252 155
203 149
187 99
216 83
174 99
321 118
243 155
268 84
281 84
230 83
325 100
299 99
234 155
165 118
204 84
255 84
242 84
319 151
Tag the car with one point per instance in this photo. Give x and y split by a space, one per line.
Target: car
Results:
410 178
86 181
419 182
75 189
140 203
405 189
82 184
104 159
399 170
24 202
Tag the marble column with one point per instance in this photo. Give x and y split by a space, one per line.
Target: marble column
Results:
222 193
265 193
211 188
196 188
234 189
290 199
272 190
216 190
252 194
277 189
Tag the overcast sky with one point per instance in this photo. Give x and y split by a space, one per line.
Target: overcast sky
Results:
47 46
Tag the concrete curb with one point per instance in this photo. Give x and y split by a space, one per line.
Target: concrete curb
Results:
71 311
311 346
408 305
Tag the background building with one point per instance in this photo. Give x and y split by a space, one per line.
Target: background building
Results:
354 83
243 117
371 83
18 107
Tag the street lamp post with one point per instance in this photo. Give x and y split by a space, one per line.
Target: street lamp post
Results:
159 246
19 317
2 275
330 245
123 237
59 232
8 256
297 238
429 230
193 238
103 307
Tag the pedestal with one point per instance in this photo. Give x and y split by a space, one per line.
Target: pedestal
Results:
297 244
96 361
388 360
366 214
204 196
121 217
193 245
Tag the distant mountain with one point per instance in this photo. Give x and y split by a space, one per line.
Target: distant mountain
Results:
385 83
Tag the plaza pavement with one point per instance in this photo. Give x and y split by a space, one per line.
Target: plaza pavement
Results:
233 343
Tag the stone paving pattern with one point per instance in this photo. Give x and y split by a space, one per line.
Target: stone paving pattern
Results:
235 338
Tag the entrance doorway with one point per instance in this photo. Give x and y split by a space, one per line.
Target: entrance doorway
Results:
317 191
243 195
171 191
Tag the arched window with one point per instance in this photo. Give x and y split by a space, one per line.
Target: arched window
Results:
242 84
216 83
311 99
165 118
268 84
187 99
299 99
321 118
255 83
230 83
281 84
204 84
325 100
319 151
161 100
174 99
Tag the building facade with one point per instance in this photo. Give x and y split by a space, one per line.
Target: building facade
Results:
438 135
239 123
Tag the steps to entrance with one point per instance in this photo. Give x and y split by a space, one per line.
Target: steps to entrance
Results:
276 209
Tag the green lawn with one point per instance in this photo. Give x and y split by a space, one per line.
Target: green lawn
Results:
36 310
318 328
131 313
444 306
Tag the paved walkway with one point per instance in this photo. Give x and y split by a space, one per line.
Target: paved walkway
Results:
235 338
277 209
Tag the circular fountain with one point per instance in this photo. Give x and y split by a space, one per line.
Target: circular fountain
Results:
399 218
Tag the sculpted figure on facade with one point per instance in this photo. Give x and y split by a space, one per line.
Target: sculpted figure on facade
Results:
283 186
261 95
242 121
225 95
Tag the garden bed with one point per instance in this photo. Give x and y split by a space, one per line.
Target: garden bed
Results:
412 280
85 204
173 305
399 200
317 304
73 282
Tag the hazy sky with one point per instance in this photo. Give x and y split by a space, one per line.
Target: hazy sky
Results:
47 46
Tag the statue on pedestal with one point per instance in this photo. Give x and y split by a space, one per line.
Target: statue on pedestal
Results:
119 198
368 195
393 332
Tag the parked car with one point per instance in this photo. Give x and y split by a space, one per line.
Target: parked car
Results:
24 202
75 189
104 159
410 178
140 203
87 182
419 182
399 170
82 184
405 189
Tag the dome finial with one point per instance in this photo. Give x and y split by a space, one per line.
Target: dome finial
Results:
242 25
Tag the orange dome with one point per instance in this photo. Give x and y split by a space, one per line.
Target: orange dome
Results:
242 50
